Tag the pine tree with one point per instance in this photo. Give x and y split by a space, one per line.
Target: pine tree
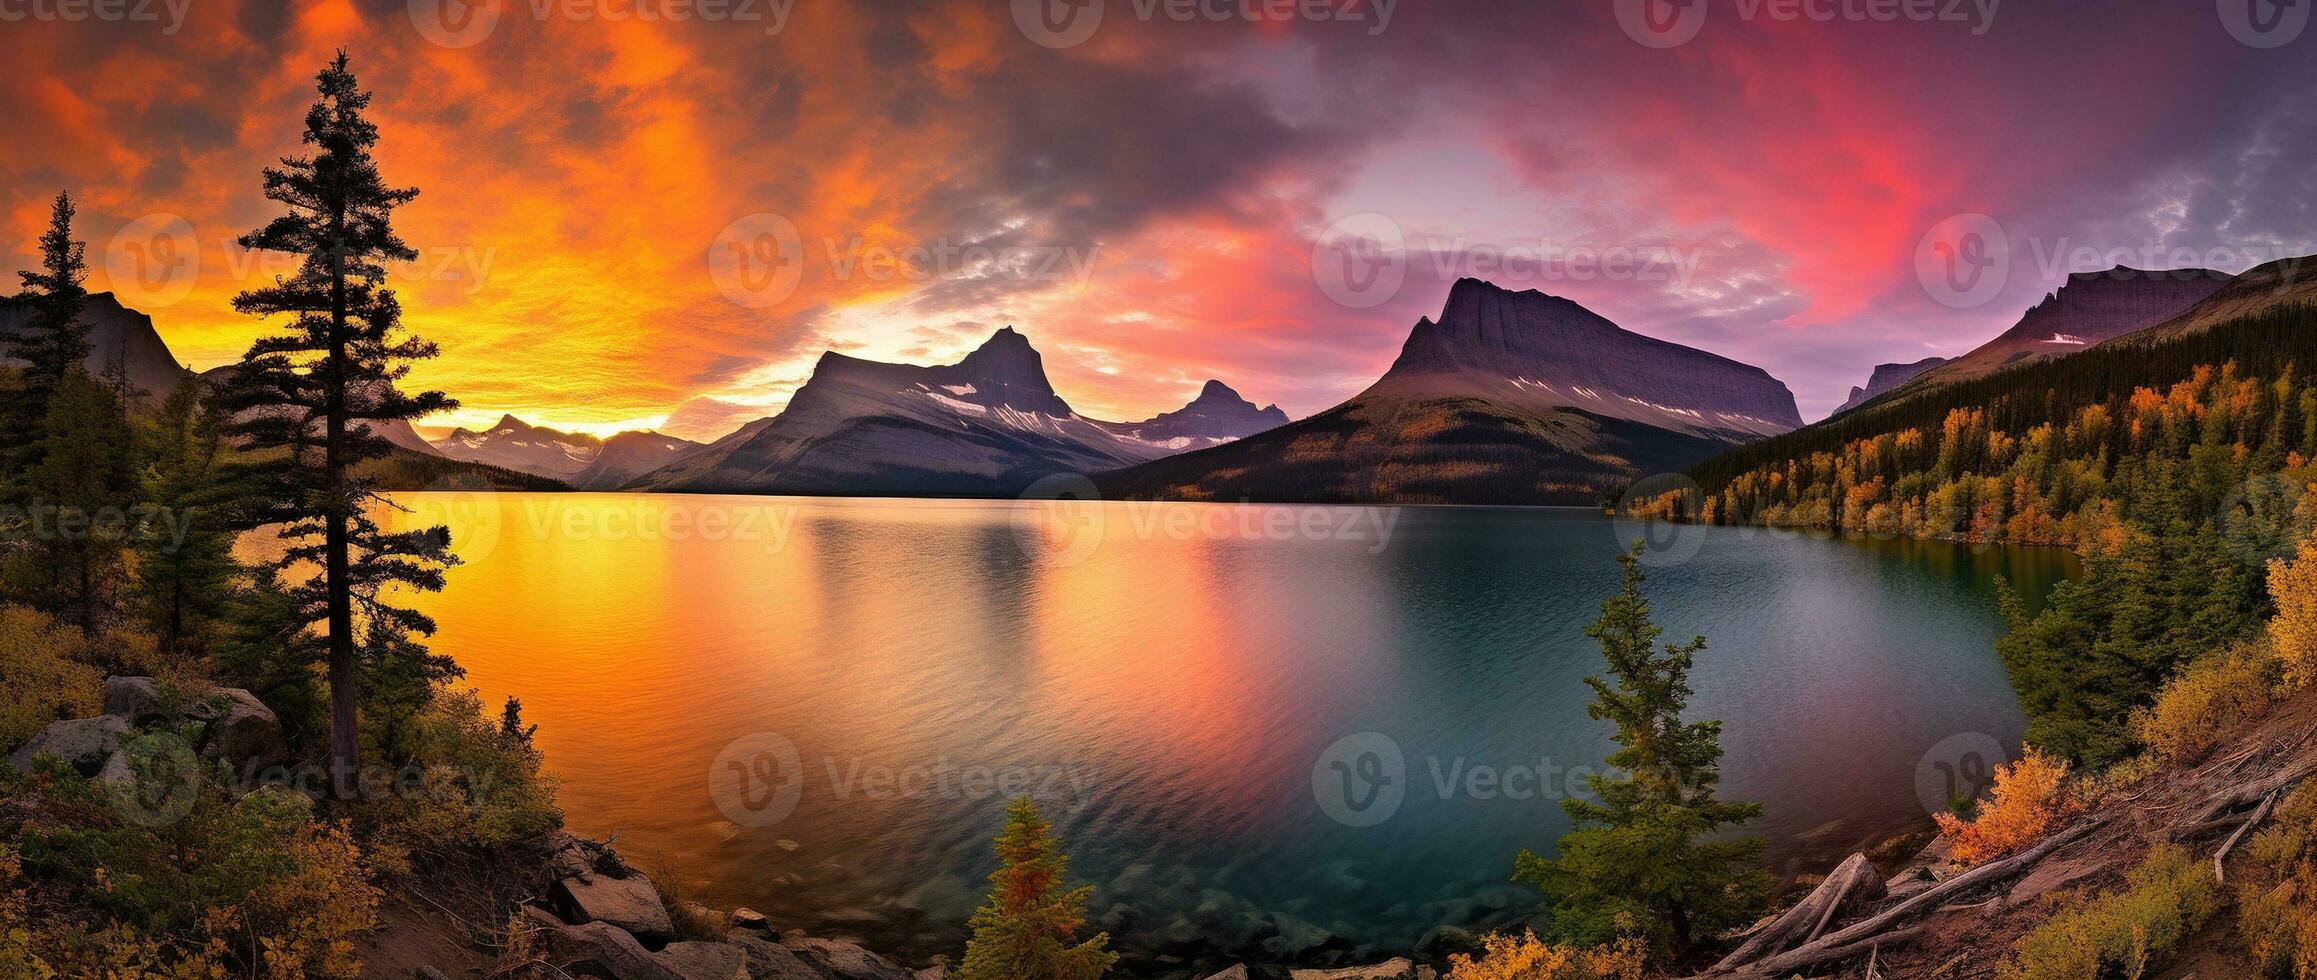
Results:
314 394
184 544
54 342
1025 930
1645 859
79 492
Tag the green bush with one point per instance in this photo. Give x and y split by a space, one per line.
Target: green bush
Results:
482 783
2123 932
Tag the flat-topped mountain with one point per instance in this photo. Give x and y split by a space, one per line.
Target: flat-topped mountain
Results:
1507 398
989 425
1885 379
2090 308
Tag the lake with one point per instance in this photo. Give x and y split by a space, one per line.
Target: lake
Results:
1253 726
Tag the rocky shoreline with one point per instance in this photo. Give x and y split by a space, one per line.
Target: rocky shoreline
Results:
596 915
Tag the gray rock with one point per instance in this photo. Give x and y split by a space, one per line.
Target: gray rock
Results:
1397 968
135 700
85 744
844 961
428 973
769 960
242 730
597 949
748 918
1295 938
629 903
1443 942
704 961
1238 972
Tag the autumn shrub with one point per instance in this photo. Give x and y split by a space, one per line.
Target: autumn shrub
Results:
2127 932
2277 890
479 783
2205 702
254 886
47 676
1525 957
2293 630
2027 800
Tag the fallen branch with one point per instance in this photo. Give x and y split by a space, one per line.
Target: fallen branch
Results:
1856 938
1854 877
2220 857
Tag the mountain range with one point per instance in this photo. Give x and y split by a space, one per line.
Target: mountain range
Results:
1885 379
2090 308
117 336
1509 397
989 425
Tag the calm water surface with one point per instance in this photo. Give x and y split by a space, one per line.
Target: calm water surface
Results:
1167 680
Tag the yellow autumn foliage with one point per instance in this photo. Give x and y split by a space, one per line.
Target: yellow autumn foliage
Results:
46 678
2027 800
1525 957
2293 586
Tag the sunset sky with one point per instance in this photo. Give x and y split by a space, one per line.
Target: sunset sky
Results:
1146 202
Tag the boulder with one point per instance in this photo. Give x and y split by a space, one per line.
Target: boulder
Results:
1443 942
844 961
704 961
769 960
428 973
1238 972
596 949
629 903
85 744
1296 938
750 919
241 729
136 700
1398 968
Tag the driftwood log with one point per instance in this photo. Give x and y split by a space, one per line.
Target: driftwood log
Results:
1852 883
1871 932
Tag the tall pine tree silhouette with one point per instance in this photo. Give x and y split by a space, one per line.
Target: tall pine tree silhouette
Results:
314 393
54 341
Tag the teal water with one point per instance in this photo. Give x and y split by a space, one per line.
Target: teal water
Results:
1249 724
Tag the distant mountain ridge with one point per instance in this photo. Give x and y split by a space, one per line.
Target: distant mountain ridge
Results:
1508 398
1886 378
989 425
116 335
584 461
2089 309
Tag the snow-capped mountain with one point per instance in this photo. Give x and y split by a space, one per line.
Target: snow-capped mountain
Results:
518 445
629 455
1509 397
989 425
